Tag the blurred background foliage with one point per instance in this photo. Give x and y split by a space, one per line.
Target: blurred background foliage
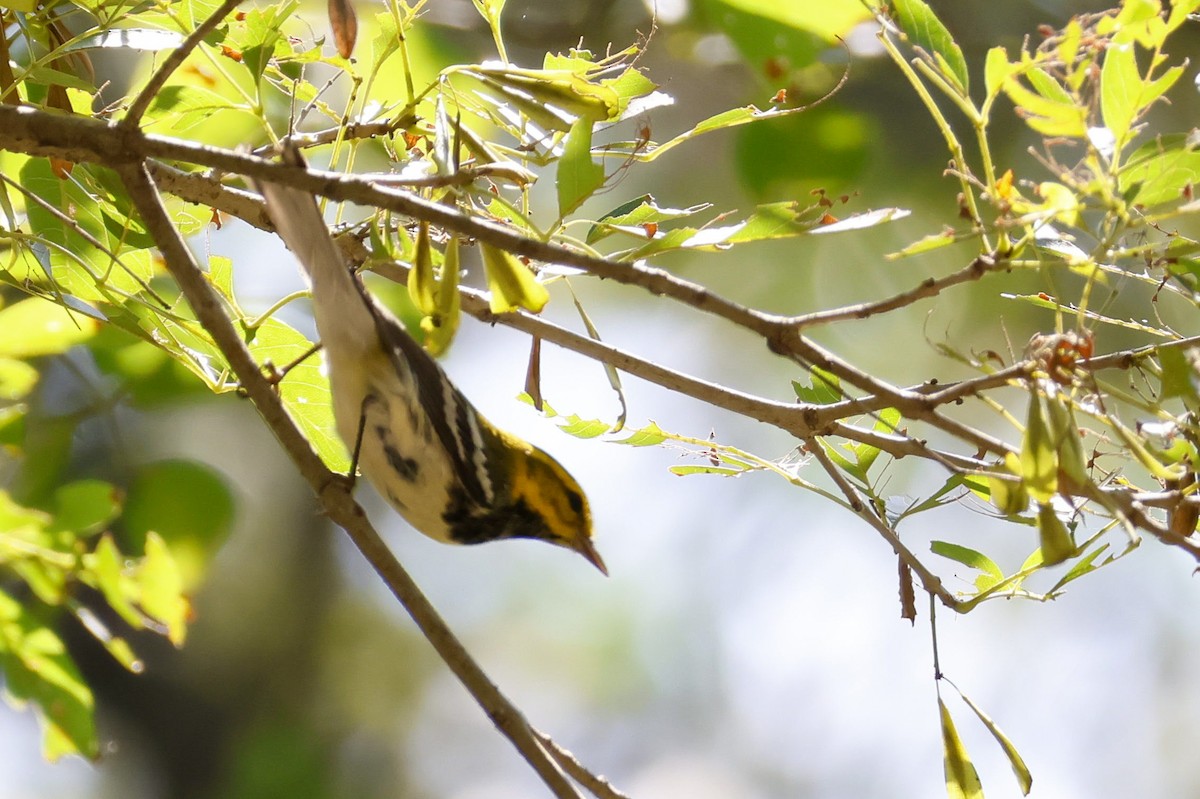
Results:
748 642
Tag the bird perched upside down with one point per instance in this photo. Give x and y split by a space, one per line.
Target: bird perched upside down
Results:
448 471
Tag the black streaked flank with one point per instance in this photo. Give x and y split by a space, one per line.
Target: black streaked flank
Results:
406 468
471 524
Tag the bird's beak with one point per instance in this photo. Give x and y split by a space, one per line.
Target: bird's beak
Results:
585 547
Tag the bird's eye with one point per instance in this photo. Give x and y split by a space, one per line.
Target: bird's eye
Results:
575 500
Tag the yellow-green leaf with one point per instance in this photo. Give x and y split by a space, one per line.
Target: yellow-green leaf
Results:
162 589
1020 770
1056 541
1071 459
962 781
17 379
1039 460
1120 90
442 323
35 327
193 522
305 389
578 175
922 26
997 69
512 283
559 89
989 572
107 567
420 278
38 668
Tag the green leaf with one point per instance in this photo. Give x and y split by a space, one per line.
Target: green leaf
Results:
512 283
970 558
940 497
631 85
926 31
933 241
184 503
441 324
86 506
1039 458
1180 9
1083 566
770 221
107 567
1064 430
578 175
1054 115
567 91
639 211
842 462
36 327
1010 498
866 454
722 121
1160 171
1178 374
1120 90
421 276
780 39
773 221
37 668
260 35
997 69
82 239
1056 542
192 109
1020 770
162 589
17 379
118 648
962 781
583 428
826 388
723 471
1148 459
489 9
649 436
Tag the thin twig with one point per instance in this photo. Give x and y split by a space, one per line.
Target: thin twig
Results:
929 581
334 493
930 287
597 785
351 130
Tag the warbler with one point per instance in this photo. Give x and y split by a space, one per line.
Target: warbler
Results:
423 446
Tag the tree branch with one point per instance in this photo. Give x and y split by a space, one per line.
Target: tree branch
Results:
929 581
333 492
